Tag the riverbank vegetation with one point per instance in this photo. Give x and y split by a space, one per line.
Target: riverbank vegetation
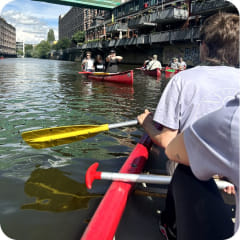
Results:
43 49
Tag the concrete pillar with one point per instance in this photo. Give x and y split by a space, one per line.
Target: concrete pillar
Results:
104 30
120 35
128 33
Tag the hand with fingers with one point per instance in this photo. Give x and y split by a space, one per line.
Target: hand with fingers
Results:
145 119
230 190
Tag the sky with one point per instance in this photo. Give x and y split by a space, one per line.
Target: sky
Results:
32 19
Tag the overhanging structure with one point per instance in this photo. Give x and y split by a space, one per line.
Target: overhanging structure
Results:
97 4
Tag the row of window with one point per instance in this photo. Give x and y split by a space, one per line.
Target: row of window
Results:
134 6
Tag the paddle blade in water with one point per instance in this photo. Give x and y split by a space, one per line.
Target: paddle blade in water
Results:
51 137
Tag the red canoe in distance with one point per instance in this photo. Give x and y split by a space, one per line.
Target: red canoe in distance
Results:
169 72
155 72
121 77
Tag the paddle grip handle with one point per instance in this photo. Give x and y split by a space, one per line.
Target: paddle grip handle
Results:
91 175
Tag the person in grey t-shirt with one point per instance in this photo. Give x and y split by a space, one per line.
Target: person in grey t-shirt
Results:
209 146
195 92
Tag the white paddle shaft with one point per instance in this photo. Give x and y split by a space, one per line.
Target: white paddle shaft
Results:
149 178
123 124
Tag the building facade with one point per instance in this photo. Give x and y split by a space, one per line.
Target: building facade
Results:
140 28
20 48
77 19
7 39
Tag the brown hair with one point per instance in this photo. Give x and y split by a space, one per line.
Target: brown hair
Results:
220 33
98 58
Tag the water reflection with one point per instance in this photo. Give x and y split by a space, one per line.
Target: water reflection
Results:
55 192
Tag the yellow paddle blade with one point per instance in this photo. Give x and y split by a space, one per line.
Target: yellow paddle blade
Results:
51 137
101 73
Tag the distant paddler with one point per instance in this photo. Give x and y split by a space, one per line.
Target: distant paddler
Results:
146 62
99 64
182 65
112 62
174 64
154 63
88 63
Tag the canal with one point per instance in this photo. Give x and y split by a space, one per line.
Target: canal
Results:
43 195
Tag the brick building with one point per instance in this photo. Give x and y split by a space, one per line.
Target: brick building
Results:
77 19
7 39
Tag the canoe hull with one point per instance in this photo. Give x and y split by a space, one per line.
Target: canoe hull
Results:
155 73
169 72
104 223
122 77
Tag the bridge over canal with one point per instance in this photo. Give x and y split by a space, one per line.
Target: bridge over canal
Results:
97 4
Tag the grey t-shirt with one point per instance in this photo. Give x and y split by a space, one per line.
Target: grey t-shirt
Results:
195 92
212 145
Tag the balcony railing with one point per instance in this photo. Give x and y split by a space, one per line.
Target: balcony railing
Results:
160 37
176 35
170 15
117 27
189 34
121 42
111 43
143 21
201 7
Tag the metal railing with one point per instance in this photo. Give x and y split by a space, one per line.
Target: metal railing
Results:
189 34
169 15
201 7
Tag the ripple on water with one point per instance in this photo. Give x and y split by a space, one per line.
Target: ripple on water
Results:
39 94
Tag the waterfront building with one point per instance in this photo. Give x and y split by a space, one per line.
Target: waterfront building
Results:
77 19
171 27
20 48
139 28
7 39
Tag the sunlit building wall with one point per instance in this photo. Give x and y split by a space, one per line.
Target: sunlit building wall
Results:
76 19
7 38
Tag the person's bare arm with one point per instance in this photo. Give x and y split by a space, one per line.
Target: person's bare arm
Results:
159 137
108 58
119 58
176 150
84 61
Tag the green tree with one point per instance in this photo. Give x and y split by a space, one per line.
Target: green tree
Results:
51 36
19 52
42 50
28 50
62 44
78 37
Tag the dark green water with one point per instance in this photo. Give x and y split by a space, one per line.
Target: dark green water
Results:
43 195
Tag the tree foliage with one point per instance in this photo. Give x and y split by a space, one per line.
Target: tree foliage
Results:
42 50
20 52
78 37
28 50
62 44
50 36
